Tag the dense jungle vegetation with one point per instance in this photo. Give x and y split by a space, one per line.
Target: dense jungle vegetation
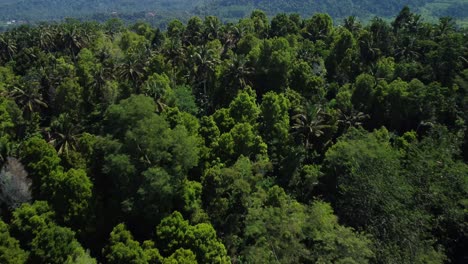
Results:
282 141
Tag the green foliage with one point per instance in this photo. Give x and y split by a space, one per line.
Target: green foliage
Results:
123 249
30 219
171 232
244 109
69 97
152 253
55 245
334 243
318 27
278 138
386 68
185 100
304 80
286 231
10 251
153 142
175 234
157 194
282 25
181 256
371 190
192 201
274 224
70 195
241 140
35 228
305 182
81 257
432 166
360 179
122 116
341 64
157 87
275 124
226 193
39 159
10 119
363 93
273 58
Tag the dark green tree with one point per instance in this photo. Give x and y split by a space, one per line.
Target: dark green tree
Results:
10 251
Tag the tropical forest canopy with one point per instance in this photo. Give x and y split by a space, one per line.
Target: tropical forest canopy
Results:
283 140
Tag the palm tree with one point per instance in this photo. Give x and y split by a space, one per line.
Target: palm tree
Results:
445 26
8 46
406 49
212 27
75 36
44 35
175 52
352 24
64 134
230 37
367 46
204 61
131 68
310 124
175 55
156 91
29 99
354 118
99 78
238 70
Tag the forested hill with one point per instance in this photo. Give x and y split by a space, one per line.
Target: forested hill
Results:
46 10
343 8
336 8
159 11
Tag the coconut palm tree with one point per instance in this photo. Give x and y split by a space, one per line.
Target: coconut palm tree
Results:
238 70
44 35
203 63
407 49
230 37
368 49
212 28
8 46
175 52
75 36
131 68
446 25
310 124
28 98
354 118
64 134
352 24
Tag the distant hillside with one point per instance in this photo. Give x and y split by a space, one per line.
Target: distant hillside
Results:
57 9
229 10
342 8
336 8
